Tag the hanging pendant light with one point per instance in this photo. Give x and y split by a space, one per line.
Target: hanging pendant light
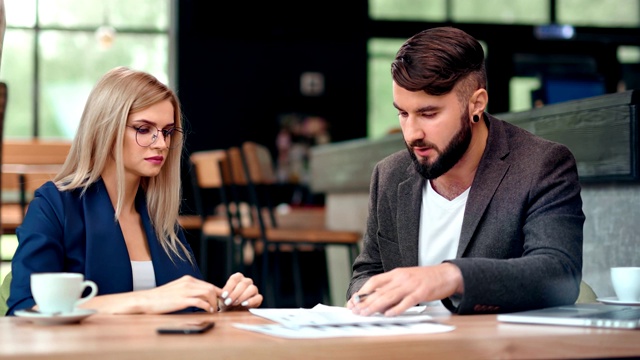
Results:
106 34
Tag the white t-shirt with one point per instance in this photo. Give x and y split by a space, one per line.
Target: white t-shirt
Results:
440 227
143 276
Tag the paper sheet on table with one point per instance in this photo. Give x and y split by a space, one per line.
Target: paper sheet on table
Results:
336 315
324 321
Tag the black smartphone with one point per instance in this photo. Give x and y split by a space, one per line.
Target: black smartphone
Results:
196 327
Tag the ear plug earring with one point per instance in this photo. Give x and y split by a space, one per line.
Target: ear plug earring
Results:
476 118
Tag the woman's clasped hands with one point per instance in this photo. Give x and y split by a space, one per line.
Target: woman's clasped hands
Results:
237 294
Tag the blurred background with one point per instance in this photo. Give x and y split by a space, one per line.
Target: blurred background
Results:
242 70
291 75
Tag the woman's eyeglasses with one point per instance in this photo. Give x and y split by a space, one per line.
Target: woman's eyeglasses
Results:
147 135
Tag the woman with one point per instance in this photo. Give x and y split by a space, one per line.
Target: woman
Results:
111 213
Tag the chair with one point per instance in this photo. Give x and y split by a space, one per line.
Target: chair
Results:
20 187
26 165
252 169
586 295
212 206
3 108
4 294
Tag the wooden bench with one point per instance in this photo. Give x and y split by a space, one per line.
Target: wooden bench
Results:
190 222
26 165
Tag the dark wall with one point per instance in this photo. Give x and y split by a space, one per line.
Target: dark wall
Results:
239 67
239 64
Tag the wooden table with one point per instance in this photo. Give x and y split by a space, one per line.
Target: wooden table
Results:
134 337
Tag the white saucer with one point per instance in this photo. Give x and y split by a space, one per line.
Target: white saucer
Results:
614 301
43 319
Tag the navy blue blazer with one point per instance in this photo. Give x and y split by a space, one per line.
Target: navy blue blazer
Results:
67 231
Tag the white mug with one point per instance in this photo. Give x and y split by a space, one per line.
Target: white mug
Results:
60 292
626 283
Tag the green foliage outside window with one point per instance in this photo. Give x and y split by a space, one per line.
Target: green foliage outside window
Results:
70 56
49 82
382 116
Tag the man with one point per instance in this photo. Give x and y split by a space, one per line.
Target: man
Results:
478 213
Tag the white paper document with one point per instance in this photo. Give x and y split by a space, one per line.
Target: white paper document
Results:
324 321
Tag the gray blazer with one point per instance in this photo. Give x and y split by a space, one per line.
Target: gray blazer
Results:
521 239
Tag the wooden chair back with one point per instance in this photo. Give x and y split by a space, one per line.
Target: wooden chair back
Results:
209 174
35 152
259 163
254 180
237 167
253 171
26 165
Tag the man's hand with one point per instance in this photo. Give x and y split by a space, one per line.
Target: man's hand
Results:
393 292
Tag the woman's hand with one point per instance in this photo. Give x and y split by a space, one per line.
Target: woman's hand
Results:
179 294
239 293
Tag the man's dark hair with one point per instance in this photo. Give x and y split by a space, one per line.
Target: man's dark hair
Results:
436 59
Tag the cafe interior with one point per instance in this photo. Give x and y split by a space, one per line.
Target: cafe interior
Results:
293 101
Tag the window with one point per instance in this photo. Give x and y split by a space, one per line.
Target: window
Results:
382 117
501 11
56 50
419 10
604 13
486 11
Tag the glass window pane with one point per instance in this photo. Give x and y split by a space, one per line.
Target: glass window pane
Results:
629 57
520 92
382 116
629 54
614 13
66 82
148 14
72 13
20 12
17 55
425 10
500 11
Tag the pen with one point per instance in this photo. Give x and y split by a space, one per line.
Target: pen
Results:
359 297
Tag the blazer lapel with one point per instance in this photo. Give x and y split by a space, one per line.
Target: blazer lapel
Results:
409 203
163 267
107 255
491 171
166 268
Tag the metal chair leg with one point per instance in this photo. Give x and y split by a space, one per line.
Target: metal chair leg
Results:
297 281
204 252
230 260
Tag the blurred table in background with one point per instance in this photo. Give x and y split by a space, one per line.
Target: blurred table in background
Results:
342 171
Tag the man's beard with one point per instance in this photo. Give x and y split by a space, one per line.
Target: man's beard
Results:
448 157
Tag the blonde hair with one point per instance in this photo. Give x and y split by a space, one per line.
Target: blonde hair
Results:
119 93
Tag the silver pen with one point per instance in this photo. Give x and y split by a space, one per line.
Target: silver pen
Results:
357 298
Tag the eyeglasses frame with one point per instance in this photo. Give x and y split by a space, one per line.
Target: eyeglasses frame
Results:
154 137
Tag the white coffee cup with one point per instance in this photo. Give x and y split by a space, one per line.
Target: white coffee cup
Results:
60 292
626 283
